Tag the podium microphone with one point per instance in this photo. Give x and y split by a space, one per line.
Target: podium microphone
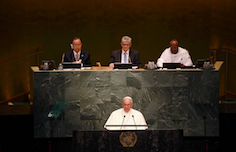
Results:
134 122
129 60
122 122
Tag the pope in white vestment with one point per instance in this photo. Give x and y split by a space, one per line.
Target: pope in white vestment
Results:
126 116
175 54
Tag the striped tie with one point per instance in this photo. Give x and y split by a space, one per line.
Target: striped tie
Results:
77 57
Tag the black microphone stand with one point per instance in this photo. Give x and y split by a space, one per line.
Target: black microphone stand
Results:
122 122
134 122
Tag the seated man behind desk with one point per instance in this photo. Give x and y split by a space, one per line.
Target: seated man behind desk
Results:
126 54
126 116
175 54
77 54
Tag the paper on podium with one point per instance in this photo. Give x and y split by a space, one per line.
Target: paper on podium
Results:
57 109
129 127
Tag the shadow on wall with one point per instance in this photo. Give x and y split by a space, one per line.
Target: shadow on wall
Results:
15 77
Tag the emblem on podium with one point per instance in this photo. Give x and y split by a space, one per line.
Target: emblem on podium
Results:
128 139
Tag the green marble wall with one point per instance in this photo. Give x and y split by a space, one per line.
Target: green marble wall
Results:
171 99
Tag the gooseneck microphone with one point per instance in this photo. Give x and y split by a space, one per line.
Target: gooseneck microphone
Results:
134 122
122 122
129 60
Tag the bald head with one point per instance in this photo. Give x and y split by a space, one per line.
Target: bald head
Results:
174 44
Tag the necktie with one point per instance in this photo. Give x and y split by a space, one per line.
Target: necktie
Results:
76 57
125 57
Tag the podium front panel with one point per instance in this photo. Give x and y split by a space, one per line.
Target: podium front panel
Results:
130 141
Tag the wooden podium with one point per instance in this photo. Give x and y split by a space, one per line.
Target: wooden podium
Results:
128 140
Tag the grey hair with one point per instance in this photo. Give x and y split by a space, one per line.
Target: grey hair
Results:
126 38
128 97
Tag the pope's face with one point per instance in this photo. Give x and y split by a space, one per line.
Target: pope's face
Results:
127 104
125 45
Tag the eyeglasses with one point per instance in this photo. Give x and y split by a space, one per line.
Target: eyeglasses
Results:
76 44
126 105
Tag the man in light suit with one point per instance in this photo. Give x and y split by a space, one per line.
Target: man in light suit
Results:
125 54
175 54
76 54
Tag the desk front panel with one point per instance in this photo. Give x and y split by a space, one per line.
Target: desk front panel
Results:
173 99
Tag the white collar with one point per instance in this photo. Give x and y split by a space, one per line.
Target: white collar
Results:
126 113
124 51
76 52
178 53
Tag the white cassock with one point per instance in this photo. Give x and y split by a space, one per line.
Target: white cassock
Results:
133 117
182 57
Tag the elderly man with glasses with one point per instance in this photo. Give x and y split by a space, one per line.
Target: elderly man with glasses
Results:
125 54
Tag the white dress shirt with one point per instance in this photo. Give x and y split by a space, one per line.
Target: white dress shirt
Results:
78 54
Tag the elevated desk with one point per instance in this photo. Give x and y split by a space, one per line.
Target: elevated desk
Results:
184 99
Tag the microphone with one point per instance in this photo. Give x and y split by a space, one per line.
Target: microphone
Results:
134 122
129 60
62 58
82 58
122 122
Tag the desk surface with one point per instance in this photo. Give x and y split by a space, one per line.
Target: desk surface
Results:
217 67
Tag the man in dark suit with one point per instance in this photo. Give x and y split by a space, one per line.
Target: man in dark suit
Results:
76 54
125 54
